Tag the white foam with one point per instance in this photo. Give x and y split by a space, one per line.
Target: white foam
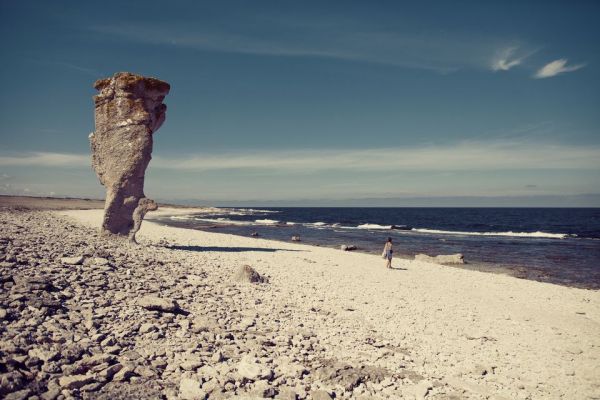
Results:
537 234
223 221
374 226
267 221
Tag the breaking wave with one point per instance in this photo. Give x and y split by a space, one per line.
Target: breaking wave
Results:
374 226
267 221
537 234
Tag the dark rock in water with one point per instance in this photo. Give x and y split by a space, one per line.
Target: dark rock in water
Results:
348 247
254 234
442 259
128 110
401 227
295 238
248 274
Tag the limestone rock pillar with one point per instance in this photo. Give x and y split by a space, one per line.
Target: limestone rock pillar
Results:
128 110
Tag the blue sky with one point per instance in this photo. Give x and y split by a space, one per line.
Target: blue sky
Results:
324 101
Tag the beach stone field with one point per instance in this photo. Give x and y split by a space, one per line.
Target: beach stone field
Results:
198 315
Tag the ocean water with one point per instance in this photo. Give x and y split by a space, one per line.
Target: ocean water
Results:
557 245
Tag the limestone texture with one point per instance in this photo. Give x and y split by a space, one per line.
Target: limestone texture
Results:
128 110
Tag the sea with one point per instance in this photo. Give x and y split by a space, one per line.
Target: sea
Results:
556 245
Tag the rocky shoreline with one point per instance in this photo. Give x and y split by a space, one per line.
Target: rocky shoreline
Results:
94 317
90 316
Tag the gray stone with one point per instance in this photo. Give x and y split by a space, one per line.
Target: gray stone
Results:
286 394
78 260
124 373
111 371
249 369
19 395
421 389
75 381
246 273
158 304
100 261
191 389
320 395
147 327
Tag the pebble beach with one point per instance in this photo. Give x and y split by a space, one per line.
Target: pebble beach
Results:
90 316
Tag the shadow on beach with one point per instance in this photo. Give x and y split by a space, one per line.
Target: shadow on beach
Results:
226 249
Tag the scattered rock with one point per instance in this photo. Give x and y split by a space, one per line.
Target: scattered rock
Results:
159 304
124 373
147 327
19 395
100 261
74 381
295 238
421 389
320 395
248 274
286 394
78 260
348 247
249 369
191 389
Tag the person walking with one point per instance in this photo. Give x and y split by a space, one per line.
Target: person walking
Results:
388 253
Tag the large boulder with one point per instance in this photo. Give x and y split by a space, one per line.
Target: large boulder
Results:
128 110
442 259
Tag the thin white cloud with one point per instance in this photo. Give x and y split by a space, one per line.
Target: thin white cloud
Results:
45 159
509 57
468 156
429 51
556 67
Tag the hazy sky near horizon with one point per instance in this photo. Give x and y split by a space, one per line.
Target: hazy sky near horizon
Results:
283 100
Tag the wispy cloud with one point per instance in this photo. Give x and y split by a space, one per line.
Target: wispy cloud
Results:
508 58
468 156
75 67
465 156
45 159
430 51
68 65
556 67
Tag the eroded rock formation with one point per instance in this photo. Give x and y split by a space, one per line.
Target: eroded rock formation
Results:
128 110
144 205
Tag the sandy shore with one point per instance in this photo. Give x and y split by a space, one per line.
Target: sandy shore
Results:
329 324
466 333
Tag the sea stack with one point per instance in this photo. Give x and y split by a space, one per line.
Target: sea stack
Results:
128 110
